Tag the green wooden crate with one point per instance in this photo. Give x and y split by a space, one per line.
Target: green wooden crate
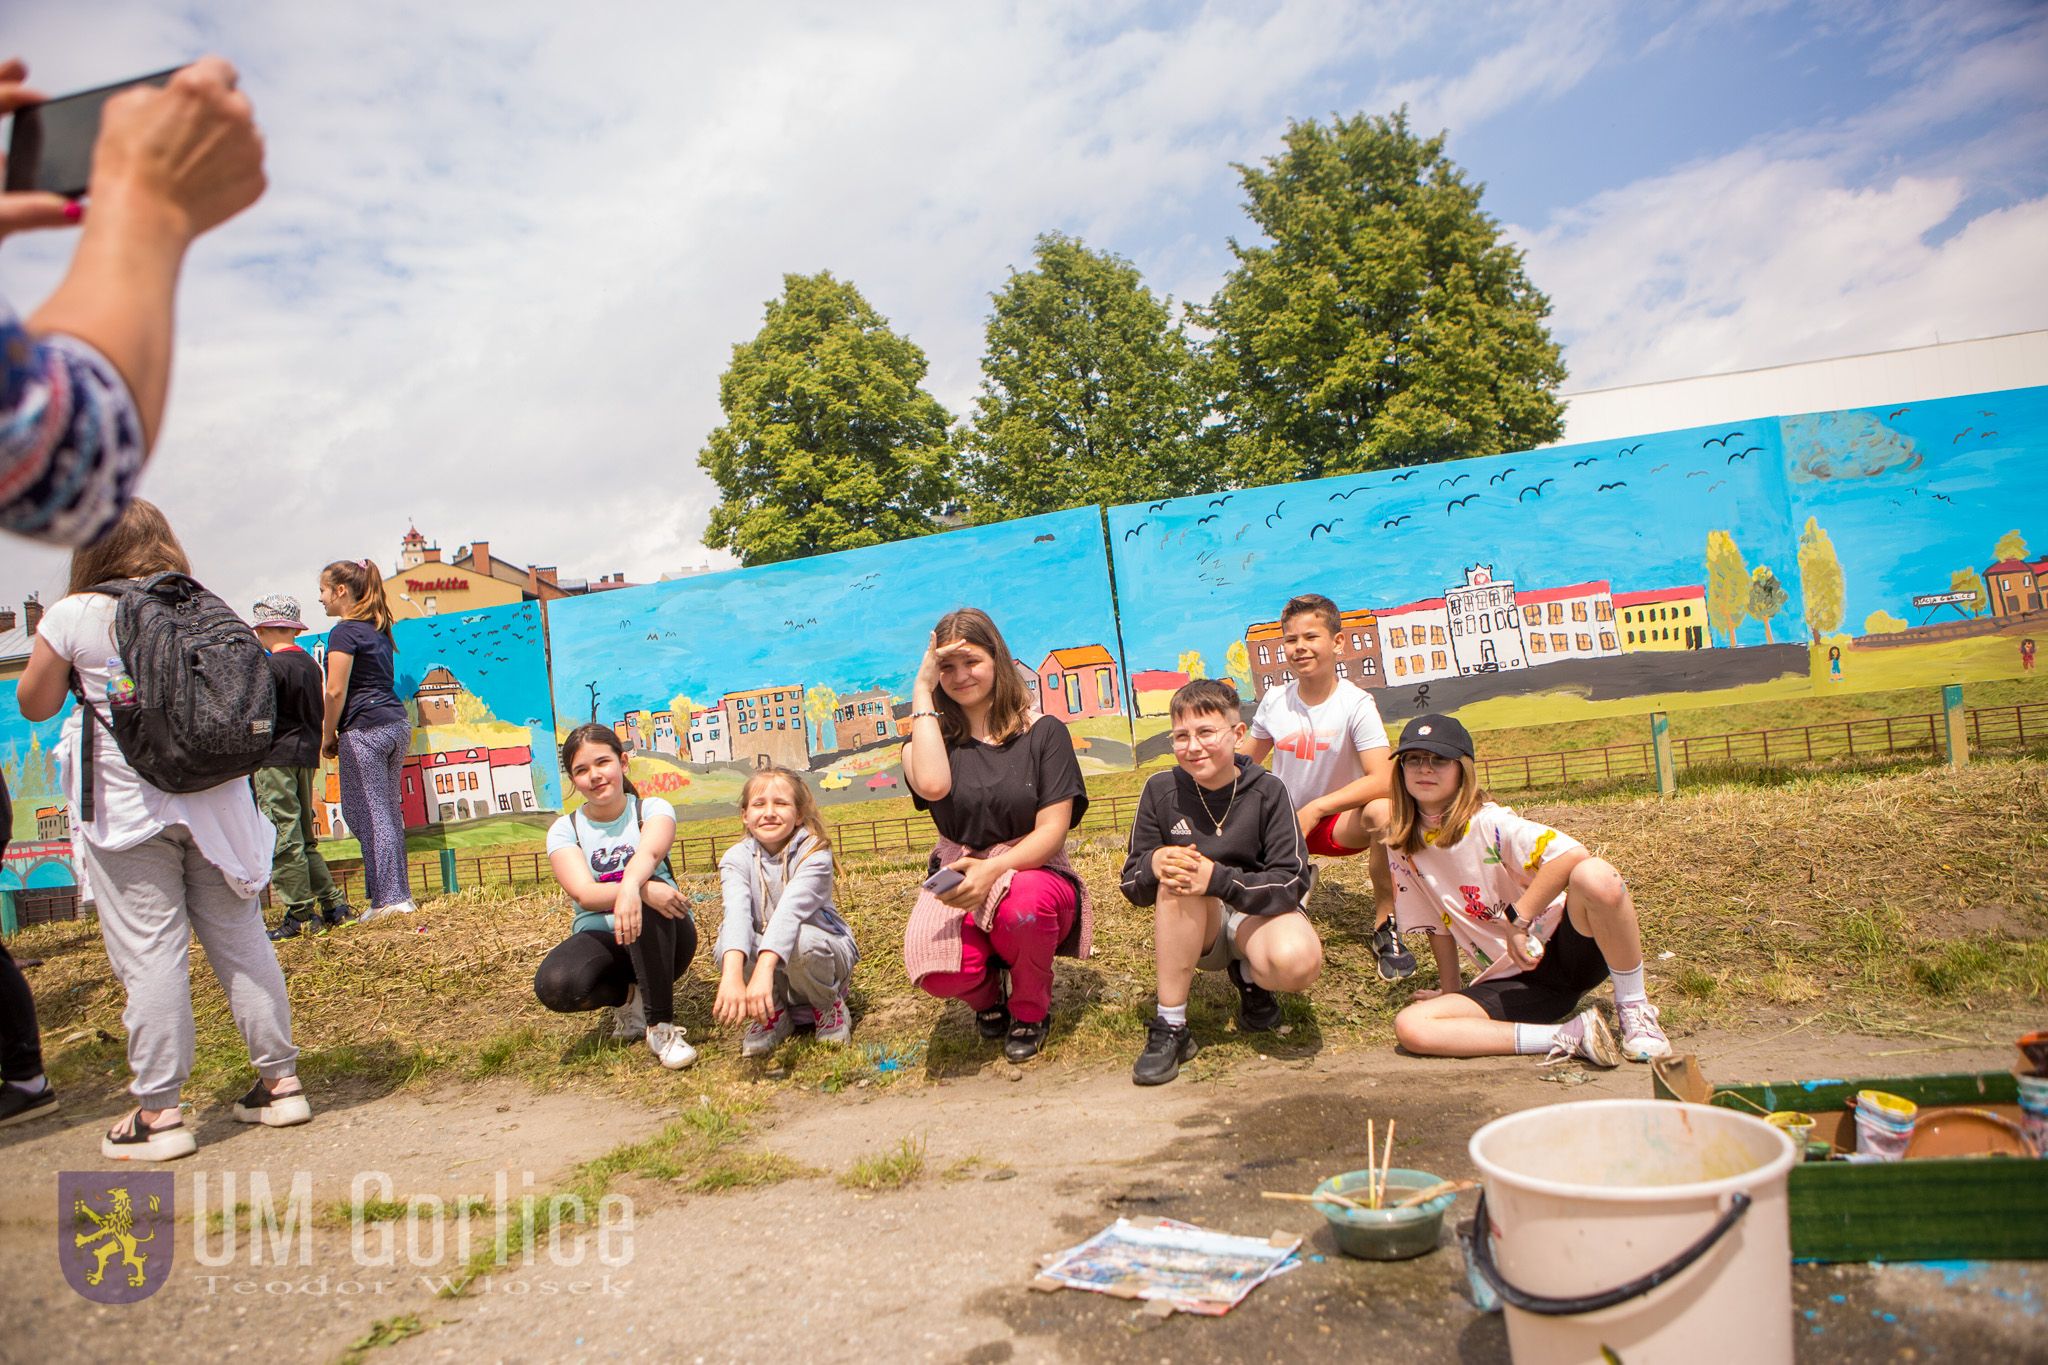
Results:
1976 1208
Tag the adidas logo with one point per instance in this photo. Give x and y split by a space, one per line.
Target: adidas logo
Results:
1180 827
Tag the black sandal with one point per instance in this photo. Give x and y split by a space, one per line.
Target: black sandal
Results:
992 1023
1026 1037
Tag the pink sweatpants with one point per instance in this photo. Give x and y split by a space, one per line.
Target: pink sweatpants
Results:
1030 922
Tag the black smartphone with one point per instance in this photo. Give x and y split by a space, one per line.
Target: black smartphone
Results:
51 144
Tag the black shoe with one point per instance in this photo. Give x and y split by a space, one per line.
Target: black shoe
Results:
18 1106
1258 1009
288 928
336 913
1166 1047
992 1023
1025 1040
1396 963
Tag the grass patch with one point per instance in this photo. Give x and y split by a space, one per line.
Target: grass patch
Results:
890 1170
383 1332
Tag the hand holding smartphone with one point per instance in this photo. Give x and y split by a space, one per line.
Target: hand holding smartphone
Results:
50 146
944 880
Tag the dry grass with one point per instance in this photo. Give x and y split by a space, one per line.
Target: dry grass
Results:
1898 903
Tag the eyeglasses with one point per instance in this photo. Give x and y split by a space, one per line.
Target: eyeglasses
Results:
1422 758
1201 739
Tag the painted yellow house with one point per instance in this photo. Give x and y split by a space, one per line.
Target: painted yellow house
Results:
1663 619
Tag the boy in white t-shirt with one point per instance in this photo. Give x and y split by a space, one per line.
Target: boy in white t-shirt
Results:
1329 749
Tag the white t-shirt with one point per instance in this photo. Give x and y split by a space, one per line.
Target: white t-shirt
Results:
608 846
1315 748
224 820
1464 890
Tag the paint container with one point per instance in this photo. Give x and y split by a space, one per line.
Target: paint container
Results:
2033 1052
1386 1234
2034 1111
1798 1127
1884 1124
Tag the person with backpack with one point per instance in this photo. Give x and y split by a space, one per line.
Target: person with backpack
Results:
366 727
167 858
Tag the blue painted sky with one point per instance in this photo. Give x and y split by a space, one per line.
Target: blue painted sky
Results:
524 239
847 621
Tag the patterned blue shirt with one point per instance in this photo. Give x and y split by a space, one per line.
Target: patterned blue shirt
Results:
70 438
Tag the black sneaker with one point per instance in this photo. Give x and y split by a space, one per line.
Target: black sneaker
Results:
1166 1047
992 1024
337 913
1258 1009
1396 963
289 928
18 1106
1025 1040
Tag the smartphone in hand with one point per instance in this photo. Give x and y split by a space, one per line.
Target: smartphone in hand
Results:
942 881
50 146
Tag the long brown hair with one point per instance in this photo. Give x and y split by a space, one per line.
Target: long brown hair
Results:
140 544
1406 831
1008 701
366 585
800 795
595 733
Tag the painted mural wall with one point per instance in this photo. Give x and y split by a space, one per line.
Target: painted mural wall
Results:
39 854
1742 562
482 755
808 664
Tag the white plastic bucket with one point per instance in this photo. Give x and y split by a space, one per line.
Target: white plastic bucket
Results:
1656 1230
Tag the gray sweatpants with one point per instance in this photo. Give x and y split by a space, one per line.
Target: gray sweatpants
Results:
818 974
152 899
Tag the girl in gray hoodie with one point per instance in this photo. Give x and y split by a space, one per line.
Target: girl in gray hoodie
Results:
783 951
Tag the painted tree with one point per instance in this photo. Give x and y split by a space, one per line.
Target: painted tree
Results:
1238 660
1191 664
1767 597
1727 584
1881 622
1090 391
819 704
471 710
2011 545
1383 321
1820 581
679 708
1971 582
830 441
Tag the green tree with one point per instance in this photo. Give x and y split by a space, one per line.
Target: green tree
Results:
829 441
1727 584
1767 597
819 704
1089 394
1971 582
1820 580
1384 321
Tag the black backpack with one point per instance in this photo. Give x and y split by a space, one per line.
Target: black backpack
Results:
205 701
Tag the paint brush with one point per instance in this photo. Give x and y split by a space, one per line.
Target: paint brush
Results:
1372 1147
1386 1164
1337 1199
1423 1196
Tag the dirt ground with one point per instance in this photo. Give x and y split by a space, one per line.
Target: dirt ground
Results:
937 1270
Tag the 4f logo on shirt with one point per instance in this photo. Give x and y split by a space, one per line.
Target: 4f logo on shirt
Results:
1475 903
1303 744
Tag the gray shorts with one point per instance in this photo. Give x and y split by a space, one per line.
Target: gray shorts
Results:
1224 950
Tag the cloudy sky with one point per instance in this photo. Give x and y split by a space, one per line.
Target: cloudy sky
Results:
508 247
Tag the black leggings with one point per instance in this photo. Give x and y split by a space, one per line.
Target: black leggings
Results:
21 1052
589 969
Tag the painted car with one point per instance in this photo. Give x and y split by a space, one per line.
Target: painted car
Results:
835 781
1081 744
881 781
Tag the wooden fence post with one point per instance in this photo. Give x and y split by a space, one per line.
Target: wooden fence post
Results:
1660 748
1955 725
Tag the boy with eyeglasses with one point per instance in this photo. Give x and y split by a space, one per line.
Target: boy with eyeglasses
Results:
1218 854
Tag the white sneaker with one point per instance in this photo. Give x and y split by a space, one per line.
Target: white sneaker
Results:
763 1038
666 1042
1642 1039
1585 1037
629 1021
380 911
835 1024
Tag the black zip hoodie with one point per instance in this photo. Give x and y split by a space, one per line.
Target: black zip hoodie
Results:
1261 861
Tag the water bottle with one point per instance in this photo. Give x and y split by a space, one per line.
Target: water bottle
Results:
120 687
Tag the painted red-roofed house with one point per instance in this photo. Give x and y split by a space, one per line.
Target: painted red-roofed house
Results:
1572 622
2017 587
1154 688
512 779
1663 619
1416 641
1080 682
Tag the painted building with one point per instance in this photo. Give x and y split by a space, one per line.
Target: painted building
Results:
710 736
1572 622
2016 587
1154 689
436 697
1030 678
328 821
53 822
1663 619
512 779
862 718
1416 644
1486 630
457 783
1078 683
665 733
766 727
1359 655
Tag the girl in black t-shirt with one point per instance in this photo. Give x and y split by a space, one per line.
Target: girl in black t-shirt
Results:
1003 787
366 728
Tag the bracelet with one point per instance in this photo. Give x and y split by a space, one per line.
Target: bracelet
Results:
915 714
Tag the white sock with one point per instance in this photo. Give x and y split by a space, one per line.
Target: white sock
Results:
1628 985
1176 1015
36 1085
1534 1040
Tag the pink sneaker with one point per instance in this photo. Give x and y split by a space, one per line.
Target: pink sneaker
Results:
1586 1037
835 1022
763 1038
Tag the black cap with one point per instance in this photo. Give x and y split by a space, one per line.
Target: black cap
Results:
1439 735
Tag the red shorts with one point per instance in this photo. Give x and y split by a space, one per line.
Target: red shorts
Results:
1322 841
